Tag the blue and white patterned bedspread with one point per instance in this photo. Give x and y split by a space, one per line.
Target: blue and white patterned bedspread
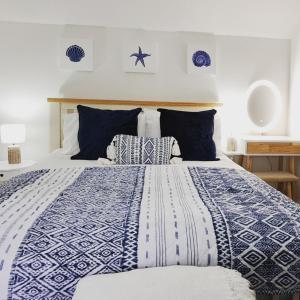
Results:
59 225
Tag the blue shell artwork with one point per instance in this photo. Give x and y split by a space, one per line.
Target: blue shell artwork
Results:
75 53
201 59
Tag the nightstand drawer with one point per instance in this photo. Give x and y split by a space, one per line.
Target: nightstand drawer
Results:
273 148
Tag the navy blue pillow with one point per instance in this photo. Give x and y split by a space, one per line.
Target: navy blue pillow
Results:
98 127
193 131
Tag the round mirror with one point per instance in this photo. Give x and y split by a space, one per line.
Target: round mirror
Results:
263 103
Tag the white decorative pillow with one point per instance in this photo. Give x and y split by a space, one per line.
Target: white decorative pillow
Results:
128 149
141 124
217 137
152 118
70 132
149 123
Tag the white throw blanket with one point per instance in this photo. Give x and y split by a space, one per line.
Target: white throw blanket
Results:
176 283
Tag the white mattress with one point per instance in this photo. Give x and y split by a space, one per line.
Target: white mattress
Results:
57 159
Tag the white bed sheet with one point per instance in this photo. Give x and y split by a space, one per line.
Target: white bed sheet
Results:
57 159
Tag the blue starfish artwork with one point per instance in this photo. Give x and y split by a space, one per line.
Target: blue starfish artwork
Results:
140 57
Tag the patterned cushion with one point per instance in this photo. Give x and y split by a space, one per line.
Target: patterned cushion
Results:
128 149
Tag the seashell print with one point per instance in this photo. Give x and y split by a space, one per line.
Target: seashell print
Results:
201 59
75 53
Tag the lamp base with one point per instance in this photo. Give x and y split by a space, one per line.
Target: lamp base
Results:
14 154
231 144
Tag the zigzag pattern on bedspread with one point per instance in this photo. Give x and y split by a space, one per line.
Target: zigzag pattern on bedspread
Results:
69 223
86 230
263 225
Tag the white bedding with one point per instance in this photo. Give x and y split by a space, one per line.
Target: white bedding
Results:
57 159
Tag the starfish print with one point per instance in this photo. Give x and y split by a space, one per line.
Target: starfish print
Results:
140 56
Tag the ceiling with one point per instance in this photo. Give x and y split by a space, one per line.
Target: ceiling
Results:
260 18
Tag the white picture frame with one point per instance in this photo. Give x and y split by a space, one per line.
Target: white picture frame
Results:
140 57
76 54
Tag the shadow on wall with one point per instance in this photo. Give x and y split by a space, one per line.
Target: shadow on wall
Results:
113 83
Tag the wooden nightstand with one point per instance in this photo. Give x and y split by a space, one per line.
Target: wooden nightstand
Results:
285 148
8 171
235 156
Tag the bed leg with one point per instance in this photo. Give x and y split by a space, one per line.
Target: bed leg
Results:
296 296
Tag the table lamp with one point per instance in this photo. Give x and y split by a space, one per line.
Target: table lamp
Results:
13 134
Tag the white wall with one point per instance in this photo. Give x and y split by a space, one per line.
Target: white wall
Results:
294 123
29 73
267 18
241 61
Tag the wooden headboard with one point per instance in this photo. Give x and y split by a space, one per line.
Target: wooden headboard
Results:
61 106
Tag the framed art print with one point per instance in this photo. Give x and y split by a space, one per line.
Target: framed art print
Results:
201 58
140 57
76 54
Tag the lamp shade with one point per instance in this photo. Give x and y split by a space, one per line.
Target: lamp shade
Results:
12 133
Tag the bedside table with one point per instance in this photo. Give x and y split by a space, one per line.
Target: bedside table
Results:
8 171
284 147
235 156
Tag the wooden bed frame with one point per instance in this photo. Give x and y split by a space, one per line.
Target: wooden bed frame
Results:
61 106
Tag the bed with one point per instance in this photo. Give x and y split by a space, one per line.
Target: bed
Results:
65 220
